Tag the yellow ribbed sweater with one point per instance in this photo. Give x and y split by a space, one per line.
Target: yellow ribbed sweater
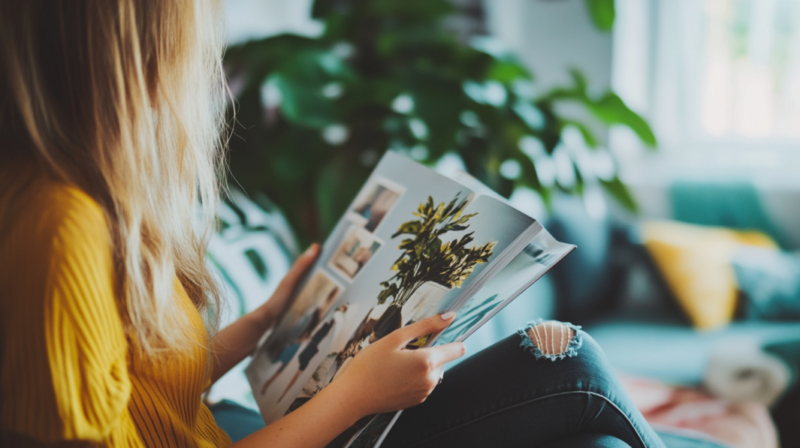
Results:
67 370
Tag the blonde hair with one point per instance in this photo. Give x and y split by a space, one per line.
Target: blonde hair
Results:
124 99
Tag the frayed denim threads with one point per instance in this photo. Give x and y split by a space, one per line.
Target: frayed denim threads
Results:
528 344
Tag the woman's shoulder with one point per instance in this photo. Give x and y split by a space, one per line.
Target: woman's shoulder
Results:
35 205
52 235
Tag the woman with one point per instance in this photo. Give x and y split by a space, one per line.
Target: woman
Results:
110 114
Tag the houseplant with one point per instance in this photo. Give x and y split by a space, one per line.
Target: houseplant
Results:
313 115
428 257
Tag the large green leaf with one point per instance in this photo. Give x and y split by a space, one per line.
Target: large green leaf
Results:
620 192
302 81
579 79
588 135
438 101
507 72
602 13
609 108
612 110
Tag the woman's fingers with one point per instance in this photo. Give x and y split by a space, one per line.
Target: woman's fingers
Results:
434 324
442 354
410 374
301 266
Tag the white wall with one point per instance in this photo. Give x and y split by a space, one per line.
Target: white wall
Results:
551 37
253 19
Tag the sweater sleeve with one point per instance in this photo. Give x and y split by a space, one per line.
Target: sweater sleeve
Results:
64 369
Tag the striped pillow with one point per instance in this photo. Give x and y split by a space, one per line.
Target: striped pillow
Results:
250 254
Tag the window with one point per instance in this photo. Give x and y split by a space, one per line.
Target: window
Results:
751 69
712 75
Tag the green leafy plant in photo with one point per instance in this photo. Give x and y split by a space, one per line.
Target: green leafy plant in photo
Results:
314 114
427 257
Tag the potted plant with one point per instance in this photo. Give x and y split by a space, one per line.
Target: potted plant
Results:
428 258
313 115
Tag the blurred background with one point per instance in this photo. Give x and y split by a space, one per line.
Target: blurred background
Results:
660 136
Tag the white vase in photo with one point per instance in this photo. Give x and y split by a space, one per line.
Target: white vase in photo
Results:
423 302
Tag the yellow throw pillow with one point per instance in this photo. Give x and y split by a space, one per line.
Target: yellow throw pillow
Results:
696 263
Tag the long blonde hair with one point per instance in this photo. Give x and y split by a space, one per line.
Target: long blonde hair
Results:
124 99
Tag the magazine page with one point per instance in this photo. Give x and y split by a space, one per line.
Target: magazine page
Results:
508 232
362 288
341 290
524 270
469 181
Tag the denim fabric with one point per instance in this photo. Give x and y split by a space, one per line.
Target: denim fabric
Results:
236 420
674 438
588 441
504 396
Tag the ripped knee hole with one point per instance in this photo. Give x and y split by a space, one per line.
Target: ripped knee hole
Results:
551 339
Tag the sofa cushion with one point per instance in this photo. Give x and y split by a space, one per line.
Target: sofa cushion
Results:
677 354
586 282
696 262
731 203
770 283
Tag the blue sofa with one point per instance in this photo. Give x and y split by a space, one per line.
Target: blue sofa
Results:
612 288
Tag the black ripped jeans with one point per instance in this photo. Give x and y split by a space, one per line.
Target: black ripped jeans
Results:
517 394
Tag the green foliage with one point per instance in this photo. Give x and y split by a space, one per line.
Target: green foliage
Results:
602 13
315 114
620 192
609 108
427 257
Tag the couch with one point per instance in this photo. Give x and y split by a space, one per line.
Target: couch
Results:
611 286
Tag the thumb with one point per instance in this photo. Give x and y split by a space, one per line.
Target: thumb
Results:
433 324
301 266
442 354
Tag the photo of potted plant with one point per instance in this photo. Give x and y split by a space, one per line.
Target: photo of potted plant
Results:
428 259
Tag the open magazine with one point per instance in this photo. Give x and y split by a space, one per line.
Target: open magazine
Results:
413 243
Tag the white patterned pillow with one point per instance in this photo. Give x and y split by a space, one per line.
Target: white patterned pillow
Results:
250 254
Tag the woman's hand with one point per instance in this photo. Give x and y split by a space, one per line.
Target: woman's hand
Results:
387 377
239 339
383 377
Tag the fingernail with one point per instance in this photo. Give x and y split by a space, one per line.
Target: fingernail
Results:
448 315
310 250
